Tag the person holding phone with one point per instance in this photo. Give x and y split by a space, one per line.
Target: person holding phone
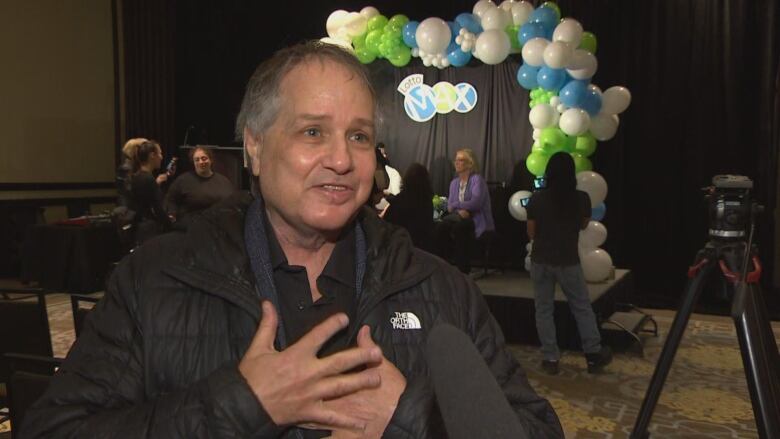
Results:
556 215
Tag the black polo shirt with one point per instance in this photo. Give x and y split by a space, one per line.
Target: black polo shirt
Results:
337 284
558 224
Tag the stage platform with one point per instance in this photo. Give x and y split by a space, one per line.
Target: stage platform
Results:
510 296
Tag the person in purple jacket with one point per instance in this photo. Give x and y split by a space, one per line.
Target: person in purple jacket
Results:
469 210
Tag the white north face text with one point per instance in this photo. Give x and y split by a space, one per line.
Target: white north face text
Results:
405 320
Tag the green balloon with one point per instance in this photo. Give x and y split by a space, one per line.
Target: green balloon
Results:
537 147
585 145
373 40
552 140
365 55
570 143
511 31
536 162
398 21
400 56
377 22
588 42
554 7
581 163
359 41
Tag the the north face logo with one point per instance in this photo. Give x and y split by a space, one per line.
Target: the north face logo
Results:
405 320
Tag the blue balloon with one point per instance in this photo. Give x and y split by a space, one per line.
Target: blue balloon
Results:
454 29
551 79
529 31
526 76
592 101
469 22
573 93
598 212
457 57
409 31
544 15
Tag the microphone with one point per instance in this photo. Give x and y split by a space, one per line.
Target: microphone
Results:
469 397
187 134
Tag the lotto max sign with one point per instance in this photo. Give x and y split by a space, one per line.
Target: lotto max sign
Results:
422 102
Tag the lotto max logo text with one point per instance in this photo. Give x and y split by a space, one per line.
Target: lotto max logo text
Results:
422 101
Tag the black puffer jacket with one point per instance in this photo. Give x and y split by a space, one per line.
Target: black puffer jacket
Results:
159 355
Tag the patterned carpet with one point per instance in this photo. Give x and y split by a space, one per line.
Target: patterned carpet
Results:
705 395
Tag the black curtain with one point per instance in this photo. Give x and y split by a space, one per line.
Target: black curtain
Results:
497 129
148 45
703 75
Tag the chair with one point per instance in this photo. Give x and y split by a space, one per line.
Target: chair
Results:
80 313
485 244
24 329
30 376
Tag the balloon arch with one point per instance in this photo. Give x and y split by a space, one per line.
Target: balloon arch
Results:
568 112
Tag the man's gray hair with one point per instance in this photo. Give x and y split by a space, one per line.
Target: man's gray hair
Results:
262 102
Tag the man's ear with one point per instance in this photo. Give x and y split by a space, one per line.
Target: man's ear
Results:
253 146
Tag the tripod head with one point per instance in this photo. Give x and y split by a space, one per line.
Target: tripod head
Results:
731 210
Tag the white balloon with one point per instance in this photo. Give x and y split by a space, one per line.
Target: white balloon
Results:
561 108
582 65
516 208
594 185
338 42
481 6
369 11
603 126
594 235
533 51
507 5
355 24
537 133
615 100
568 31
527 263
557 55
433 35
529 246
493 46
336 19
495 18
520 12
554 101
596 265
542 116
574 121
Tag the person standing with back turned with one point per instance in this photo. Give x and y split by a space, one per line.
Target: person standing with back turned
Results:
556 215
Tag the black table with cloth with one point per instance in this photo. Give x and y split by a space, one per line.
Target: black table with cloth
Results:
69 258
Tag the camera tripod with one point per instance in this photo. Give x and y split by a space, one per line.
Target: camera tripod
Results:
759 351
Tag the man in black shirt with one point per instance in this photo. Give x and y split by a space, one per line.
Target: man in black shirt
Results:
556 215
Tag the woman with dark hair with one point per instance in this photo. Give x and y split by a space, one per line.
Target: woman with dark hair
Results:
412 208
145 195
556 214
199 189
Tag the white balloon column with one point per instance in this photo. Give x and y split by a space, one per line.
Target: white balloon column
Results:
568 113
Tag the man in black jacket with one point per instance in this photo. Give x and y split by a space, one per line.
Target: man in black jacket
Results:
292 313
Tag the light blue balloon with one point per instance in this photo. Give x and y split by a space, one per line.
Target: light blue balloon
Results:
592 101
526 76
598 212
573 93
469 22
454 29
544 15
408 33
551 79
457 57
529 31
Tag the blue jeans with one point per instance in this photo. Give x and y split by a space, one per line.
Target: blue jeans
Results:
572 283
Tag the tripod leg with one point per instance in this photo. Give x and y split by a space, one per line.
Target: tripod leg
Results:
692 293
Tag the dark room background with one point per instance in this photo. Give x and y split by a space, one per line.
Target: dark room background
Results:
703 76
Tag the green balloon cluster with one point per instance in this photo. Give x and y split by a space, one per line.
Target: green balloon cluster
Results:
540 96
552 140
383 39
511 31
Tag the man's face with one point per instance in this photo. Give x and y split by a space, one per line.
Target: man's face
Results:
316 162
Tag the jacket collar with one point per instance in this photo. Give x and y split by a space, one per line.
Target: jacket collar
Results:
215 259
